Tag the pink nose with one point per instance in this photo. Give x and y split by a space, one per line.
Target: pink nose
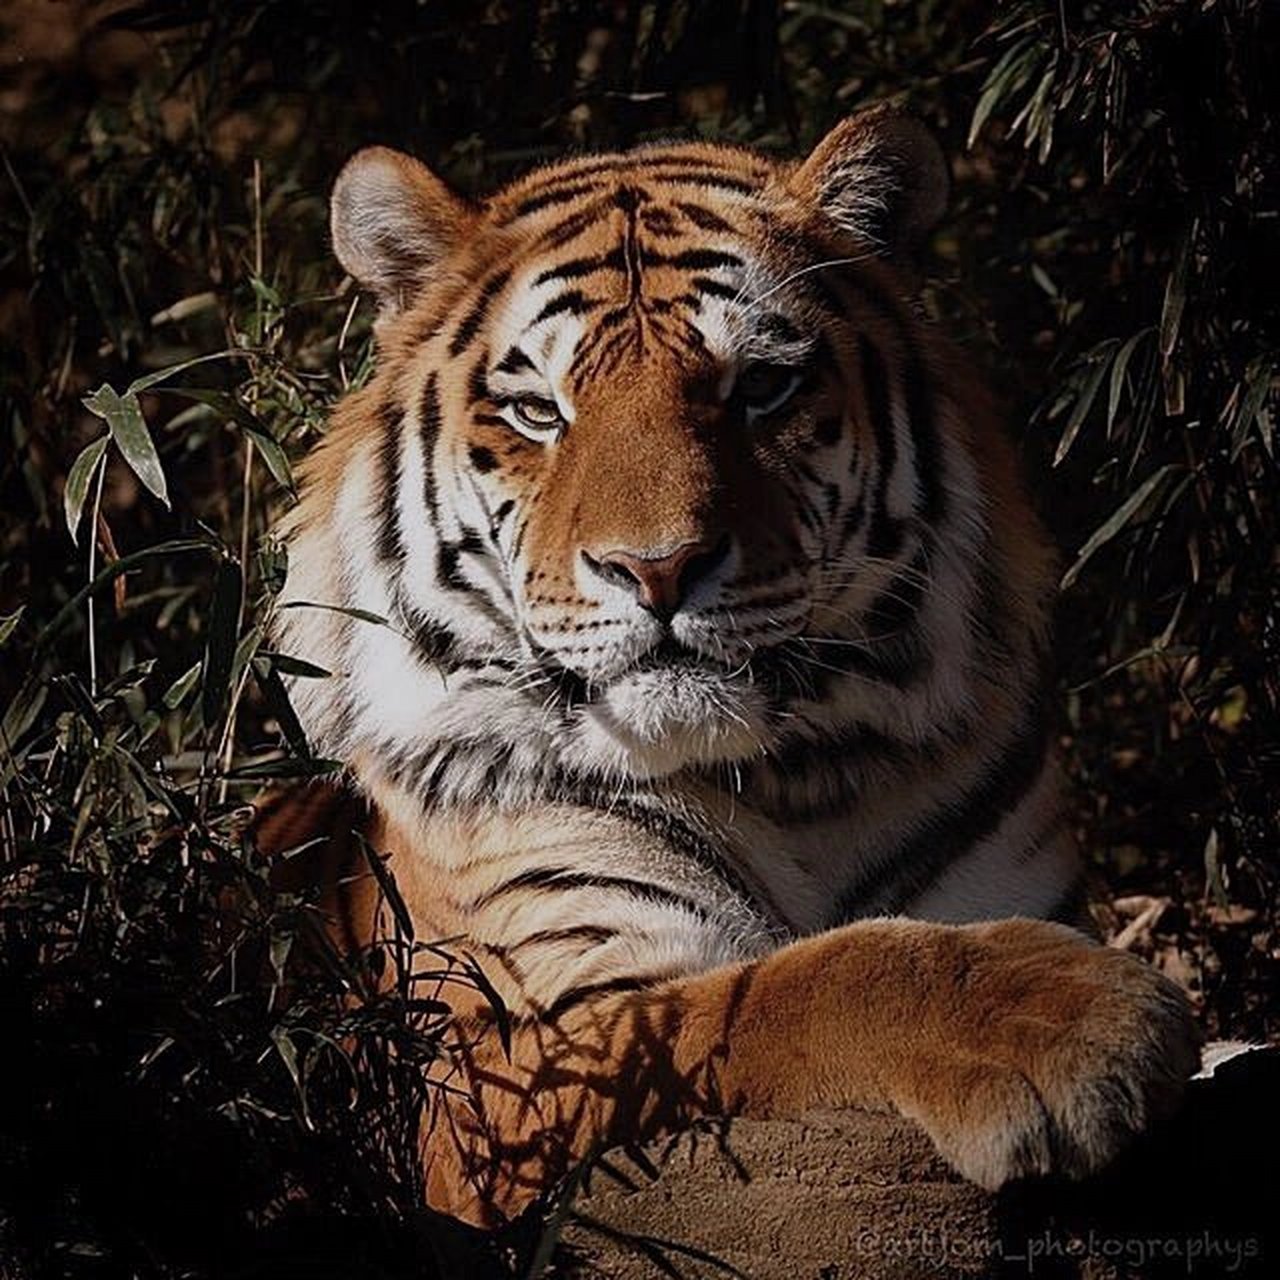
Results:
660 583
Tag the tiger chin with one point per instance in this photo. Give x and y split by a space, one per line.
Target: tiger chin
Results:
709 712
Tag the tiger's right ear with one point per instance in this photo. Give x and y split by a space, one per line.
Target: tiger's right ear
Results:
392 220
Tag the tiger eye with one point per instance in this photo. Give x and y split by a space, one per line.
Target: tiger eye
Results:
763 386
535 412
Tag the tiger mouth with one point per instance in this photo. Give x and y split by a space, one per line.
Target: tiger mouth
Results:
669 656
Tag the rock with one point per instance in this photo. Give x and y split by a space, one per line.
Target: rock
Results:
862 1196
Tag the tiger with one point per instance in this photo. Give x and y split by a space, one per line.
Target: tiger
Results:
687 622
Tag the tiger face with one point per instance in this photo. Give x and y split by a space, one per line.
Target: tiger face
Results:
639 437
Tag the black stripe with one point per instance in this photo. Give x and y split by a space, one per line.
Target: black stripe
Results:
515 361
679 836
920 394
448 560
574 225
389 462
433 640
828 431
711 181
477 384
898 604
954 828
703 218
885 536
657 154
692 260
775 326
471 324
574 301
429 433
660 222
575 268
482 459
569 933
926 445
589 990
556 879
717 288
551 197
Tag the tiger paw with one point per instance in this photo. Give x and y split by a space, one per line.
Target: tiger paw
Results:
1046 1054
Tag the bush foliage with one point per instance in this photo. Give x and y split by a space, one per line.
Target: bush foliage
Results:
175 330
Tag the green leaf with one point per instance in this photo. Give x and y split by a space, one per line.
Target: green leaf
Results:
501 1015
177 692
175 546
246 650
233 411
1118 371
390 890
1003 81
361 615
1118 519
1175 296
78 479
291 666
273 564
220 652
1215 880
9 623
22 712
152 379
123 414
277 697
266 770
274 456
1084 401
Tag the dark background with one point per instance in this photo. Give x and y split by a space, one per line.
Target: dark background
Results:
1110 257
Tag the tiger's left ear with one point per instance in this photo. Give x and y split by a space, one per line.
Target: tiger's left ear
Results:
879 175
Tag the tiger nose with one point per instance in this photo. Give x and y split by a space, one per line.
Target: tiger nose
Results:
659 583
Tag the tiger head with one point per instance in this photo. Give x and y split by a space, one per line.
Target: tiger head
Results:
654 441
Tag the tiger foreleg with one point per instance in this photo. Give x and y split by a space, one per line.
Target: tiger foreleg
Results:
1020 1048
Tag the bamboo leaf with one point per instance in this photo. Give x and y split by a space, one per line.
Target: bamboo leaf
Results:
361 615
154 379
9 622
177 692
220 651
1119 369
78 479
1175 297
501 1014
291 666
1118 520
390 890
232 410
175 546
123 415
272 686
272 770
1084 401
21 713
